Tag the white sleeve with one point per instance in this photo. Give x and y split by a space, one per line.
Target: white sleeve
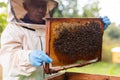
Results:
12 54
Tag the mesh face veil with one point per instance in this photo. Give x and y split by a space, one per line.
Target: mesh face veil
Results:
17 11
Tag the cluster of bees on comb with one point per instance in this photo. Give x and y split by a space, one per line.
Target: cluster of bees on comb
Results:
78 39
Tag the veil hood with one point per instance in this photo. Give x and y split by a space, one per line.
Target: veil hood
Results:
17 11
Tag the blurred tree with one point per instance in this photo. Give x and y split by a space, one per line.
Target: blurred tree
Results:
91 10
113 32
3 17
3 22
2 4
67 8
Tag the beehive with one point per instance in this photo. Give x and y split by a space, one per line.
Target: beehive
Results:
73 42
81 76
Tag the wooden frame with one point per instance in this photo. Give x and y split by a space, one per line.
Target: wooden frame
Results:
50 24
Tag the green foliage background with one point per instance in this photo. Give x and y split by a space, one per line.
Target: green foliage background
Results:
3 17
111 36
3 22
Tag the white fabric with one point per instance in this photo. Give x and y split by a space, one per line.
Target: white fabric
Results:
16 44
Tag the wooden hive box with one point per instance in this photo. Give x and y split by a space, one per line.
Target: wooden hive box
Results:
81 76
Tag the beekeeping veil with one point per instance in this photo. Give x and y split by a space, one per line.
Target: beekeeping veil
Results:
16 10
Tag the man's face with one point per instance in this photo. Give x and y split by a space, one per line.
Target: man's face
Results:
37 10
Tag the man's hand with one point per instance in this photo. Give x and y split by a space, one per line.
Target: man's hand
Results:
37 58
106 21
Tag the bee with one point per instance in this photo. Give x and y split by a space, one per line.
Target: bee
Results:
78 39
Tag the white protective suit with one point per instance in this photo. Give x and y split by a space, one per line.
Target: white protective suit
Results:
17 42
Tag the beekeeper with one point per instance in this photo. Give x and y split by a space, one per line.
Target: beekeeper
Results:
23 40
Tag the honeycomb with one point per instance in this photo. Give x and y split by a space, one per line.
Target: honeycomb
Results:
74 40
